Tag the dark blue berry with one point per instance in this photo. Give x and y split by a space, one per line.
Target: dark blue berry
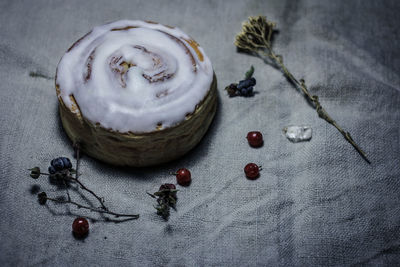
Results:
250 90
243 91
67 163
246 83
52 170
243 84
58 164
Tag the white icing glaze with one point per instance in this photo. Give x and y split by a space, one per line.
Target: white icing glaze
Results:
114 76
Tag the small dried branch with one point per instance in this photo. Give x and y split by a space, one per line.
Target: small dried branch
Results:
76 147
100 199
99 210
77 153
65 180
61 171
66 189
255 38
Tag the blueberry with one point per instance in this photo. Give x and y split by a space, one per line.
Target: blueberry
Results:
67 162
250 90
243 84
243 91
58 164
246 83
52 170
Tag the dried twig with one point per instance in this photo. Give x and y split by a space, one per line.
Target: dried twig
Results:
64 176
100 199
76 147
99 210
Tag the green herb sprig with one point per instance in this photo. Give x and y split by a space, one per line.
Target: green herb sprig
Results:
249 73
255 38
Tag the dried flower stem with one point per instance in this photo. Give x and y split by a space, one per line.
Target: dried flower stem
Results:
77 153
77 150
66 189
100 210
255 38
69 178
314 99
100 199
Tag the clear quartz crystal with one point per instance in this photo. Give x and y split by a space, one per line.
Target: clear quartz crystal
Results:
298 133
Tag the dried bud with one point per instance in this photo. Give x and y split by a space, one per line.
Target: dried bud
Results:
35 172
42 197
231 89
167 186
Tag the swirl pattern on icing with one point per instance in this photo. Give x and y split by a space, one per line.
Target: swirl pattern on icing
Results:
134 76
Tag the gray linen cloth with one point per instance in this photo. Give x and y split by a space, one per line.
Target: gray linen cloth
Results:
315 203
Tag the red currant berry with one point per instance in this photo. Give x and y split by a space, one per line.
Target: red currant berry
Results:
255 139
183 176
252 171
80 227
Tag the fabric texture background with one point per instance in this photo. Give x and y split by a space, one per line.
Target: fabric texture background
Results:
316 203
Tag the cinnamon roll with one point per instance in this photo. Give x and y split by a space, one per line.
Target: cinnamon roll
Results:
136 93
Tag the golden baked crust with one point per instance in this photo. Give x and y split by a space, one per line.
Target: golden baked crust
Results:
139 149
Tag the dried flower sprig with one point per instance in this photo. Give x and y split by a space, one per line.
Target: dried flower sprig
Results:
62 174
255 39
166 199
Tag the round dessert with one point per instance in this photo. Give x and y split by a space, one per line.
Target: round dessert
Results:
136 93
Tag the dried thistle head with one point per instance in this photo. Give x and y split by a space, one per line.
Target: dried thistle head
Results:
256 34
